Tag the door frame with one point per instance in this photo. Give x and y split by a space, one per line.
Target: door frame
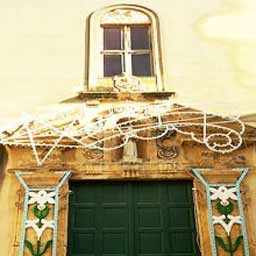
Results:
198 193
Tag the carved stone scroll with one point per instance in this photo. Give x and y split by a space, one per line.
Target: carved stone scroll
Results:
125 16
91 154
127 83
165 151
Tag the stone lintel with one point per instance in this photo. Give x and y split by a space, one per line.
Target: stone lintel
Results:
120 96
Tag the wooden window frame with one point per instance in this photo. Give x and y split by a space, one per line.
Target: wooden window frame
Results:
127 52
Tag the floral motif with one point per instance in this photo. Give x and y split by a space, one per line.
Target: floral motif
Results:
41 198
227 225
39 229
223 194
225 207
40 224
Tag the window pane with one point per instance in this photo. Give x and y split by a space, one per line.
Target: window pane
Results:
112 38
139 38
112 65
141 65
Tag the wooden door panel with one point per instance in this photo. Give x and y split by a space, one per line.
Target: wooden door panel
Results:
132 219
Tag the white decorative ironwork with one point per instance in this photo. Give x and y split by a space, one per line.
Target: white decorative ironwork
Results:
40 212
91 128
224 194
39 230
225 207
223 201
41 198
226 222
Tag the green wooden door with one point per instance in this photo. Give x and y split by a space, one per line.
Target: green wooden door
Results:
132 219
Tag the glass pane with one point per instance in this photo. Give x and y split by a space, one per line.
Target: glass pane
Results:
112 65
141 65
139 38
112 38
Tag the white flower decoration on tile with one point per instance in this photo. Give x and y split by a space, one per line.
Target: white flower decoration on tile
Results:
39 231
224 194
41 198
227 226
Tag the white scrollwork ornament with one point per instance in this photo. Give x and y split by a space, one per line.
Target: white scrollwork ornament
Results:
219 134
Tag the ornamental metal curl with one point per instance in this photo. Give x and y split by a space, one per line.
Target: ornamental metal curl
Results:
89 128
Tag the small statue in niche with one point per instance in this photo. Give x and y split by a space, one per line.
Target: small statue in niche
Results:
130 151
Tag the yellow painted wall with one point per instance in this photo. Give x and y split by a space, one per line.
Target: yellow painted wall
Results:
209 52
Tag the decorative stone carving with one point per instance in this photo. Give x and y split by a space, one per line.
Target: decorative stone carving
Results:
125 16
54 157
91 154
251 134
213 158
240 159
173 167
126 83
131 173
165 151
208 155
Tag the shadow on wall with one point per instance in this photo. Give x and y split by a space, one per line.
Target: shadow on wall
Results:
3 163
86 47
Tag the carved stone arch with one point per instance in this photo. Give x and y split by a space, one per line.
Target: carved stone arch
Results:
95 41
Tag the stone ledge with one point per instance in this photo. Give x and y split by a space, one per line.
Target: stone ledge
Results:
119 96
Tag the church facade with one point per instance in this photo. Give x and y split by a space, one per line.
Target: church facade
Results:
124 168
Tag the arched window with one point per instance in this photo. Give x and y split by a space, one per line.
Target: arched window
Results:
124 39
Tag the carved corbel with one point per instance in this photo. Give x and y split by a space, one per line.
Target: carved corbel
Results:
165 151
